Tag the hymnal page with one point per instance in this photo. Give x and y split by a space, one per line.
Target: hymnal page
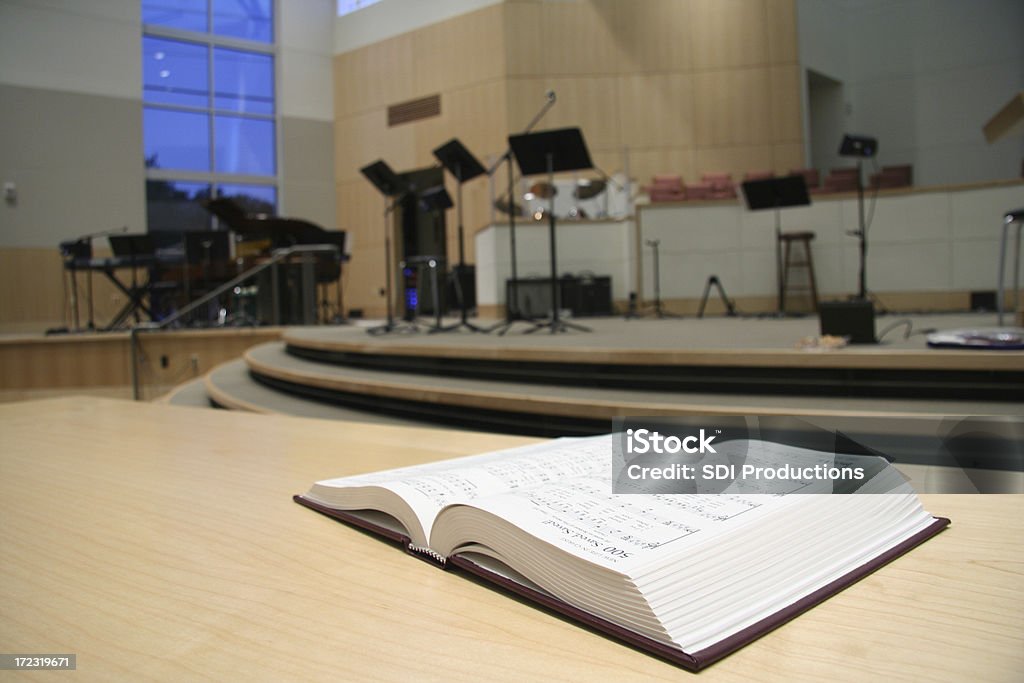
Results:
620 532
429 488
616 531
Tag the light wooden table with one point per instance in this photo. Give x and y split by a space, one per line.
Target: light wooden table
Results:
157 542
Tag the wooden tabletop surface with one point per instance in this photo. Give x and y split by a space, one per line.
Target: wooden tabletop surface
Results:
161 542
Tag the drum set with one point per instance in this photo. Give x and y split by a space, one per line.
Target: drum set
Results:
575 199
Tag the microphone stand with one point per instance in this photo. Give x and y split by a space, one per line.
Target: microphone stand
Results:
512 293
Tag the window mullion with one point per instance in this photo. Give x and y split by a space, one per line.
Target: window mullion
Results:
212 41
158 31
210 99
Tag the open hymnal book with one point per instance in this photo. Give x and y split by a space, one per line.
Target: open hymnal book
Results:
690 577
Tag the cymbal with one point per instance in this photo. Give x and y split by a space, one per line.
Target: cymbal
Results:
585 189
543 190
502 204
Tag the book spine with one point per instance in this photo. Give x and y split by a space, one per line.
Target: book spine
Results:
427 555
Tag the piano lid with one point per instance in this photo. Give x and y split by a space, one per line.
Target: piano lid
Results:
283 232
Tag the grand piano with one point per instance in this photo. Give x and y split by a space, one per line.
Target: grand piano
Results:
260 234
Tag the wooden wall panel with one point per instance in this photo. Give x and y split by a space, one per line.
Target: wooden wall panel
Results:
785 110
686 86
579 38
735 160
33 299
728 33
733 107
364 213
657 109
591 103
611 161
787 157
780 20
524 41
69 361
374 76
478 117
104 360
463 50
653 36
365 137
361 211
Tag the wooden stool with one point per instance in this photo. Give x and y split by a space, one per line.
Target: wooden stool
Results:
804 238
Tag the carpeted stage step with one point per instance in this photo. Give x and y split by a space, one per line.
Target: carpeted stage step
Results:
575 383
231 386
289 384
738 357
191 393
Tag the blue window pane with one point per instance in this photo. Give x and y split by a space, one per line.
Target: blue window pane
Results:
173 206
190 15
176 140
244 146
243 81
255 199
249 19
175 72
349 6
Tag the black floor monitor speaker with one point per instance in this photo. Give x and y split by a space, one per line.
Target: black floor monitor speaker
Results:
582 297
854 319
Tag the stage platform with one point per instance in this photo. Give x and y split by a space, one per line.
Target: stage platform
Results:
575 383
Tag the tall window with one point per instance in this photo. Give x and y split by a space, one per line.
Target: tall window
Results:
209 114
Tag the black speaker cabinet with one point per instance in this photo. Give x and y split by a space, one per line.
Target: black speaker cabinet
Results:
854 319
584 297
593 297
465 278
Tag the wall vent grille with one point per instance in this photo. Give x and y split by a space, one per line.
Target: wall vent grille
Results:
414 110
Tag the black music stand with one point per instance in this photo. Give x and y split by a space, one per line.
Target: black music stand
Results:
777 193
862 147
389 184
460 163
548 152
512 314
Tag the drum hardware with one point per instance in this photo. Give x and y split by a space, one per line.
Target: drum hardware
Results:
588 189
503 205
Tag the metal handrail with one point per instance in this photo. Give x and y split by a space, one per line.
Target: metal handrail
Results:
277 256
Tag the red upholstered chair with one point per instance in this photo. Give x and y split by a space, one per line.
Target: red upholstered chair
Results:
758 175
666 188
698 191
721 185
841 180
